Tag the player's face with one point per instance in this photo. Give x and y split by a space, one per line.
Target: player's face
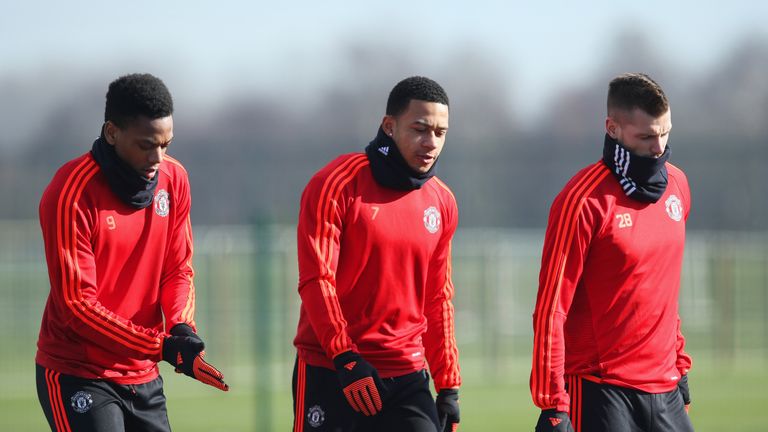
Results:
142 143
419 133
641 133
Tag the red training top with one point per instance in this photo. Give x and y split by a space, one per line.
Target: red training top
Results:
116 272
607 305
375 272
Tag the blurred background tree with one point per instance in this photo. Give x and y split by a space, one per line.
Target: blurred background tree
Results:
267 93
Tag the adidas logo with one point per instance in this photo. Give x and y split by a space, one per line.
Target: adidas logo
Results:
384 150
350 365
555 421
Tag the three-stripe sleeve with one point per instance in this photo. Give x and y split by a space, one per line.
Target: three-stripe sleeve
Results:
440 347
176 286
318 237
66 225
569 232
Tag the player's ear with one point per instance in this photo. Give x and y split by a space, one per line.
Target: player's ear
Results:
611 127
110 132
388 125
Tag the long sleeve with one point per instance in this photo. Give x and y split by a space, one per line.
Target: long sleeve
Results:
177 287
684 361
319 231
440 340
566 243
67 231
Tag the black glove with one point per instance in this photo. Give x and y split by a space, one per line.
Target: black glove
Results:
551 420
184 350
182 329
447 403
181 348
360 382
685 392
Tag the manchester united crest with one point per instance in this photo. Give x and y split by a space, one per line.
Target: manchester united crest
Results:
162 203
674 208
316 416
432 220
81 402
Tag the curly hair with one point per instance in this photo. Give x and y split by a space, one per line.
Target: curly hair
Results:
135 95
415 87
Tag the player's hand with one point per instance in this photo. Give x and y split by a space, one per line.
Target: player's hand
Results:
184 350
360 382
183 329
551 420
448 409
685 392
207 374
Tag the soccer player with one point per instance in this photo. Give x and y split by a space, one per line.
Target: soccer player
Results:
118 245
608 352
374 249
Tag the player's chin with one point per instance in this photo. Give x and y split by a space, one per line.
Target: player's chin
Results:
421 167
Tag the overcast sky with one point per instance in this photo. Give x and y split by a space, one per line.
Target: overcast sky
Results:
212 49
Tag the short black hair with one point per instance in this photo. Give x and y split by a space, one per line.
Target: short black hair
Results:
636 90
415 87
134 95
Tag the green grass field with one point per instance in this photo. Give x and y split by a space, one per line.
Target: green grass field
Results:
732 402
248 324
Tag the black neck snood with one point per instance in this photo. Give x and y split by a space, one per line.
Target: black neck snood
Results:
131 187
390 169
642 178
